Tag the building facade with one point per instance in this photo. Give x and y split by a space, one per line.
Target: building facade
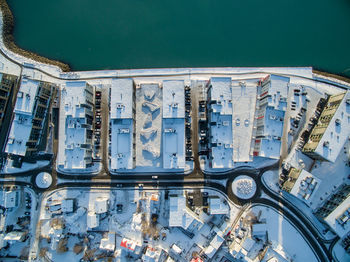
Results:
327 138
7 85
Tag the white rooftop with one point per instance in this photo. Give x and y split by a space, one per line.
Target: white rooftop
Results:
179 215
9 199
75 135
339 219
122 124
305 186
243 102
92 220
337 132
173 99
77 93
221 92
108 243
21 126
217 206
174 143
221 141
121 98
278 91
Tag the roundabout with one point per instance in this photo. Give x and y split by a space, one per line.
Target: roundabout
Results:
43 180
244 187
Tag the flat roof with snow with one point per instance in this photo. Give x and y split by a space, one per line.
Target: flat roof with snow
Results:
75 149
21 126
174 143
305 186
220 122
243 103
173 99
339 219
173 125
179 215
122 124
217 206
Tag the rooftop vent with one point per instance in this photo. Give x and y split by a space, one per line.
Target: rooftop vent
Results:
326 143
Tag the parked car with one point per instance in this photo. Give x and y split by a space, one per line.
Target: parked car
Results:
119 208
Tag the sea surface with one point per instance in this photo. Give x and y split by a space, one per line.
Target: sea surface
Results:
119 34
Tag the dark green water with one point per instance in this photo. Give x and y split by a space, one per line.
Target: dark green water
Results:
114 34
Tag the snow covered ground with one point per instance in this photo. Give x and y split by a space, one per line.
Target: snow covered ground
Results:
9 169
282 233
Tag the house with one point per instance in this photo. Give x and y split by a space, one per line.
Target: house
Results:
108 242
217 206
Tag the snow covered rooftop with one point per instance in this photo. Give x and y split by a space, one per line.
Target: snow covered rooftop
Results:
174 143
217 206
220 122
76 115
108 243
305 186
173 99
179 214
220 93
9 199
21 126
336 133
243 102
122 124
173 125
275 90
339 219
121 98
273 93
78 98
221 141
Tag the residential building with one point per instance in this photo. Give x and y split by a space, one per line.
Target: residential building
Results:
220 122
30 115
76 126
301 184
7 84
328 137
334 201
122 125
272 104
339 218
173 124
217 206
181 216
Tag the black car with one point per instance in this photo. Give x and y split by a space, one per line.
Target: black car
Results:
119 208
